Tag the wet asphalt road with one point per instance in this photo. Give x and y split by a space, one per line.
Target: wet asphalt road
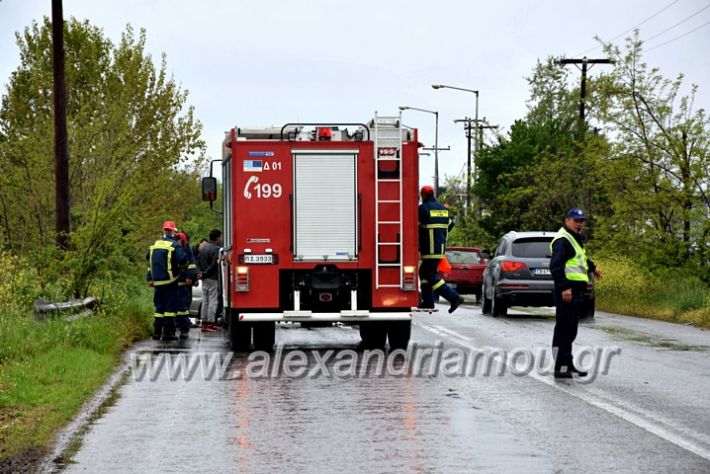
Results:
649 413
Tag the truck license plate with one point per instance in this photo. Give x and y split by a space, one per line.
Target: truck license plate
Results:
267 258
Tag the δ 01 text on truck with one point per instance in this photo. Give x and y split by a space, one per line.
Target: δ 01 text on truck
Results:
320 226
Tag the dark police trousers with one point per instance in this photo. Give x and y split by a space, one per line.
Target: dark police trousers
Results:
567 319
429 278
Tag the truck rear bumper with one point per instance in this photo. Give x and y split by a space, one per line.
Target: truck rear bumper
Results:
344 316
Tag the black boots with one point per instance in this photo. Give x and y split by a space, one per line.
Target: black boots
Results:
456 304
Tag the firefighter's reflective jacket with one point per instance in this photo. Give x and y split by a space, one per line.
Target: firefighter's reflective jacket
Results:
166 259
435 223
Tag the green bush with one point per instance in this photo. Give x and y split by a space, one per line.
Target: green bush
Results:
669 294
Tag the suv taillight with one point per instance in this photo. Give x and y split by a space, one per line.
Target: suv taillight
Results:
506 266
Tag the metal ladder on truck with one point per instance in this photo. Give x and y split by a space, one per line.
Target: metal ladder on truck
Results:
388 201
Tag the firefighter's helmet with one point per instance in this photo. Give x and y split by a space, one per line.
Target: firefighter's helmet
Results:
427 191
168 225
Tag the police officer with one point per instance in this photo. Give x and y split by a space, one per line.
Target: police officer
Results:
165 258
570 269
434 226
187 276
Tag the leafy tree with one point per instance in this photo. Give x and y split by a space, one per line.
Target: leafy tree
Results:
133 143
660 164
547 163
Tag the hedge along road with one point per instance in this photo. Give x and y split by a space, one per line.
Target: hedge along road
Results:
318 404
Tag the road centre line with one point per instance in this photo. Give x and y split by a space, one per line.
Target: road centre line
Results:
462 340
654 425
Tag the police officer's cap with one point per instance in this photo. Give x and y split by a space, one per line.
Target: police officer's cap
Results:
576 213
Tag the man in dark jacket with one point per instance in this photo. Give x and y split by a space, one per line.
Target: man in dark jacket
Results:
165 260
570 270
208 263
434 226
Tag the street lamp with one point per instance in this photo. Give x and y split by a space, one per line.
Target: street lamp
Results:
436 143
475 121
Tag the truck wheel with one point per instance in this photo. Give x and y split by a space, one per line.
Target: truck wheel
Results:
239 335
264 336
373 335
500 309
486 303
398 333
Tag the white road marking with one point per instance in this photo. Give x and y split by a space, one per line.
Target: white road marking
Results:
438 330
644 419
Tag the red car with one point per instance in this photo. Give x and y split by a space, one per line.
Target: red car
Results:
467 265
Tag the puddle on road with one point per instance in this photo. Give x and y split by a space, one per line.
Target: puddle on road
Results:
305 424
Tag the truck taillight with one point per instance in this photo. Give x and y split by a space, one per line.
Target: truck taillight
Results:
409 278
242 283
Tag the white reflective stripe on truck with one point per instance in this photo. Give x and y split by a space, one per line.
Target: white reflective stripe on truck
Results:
362 315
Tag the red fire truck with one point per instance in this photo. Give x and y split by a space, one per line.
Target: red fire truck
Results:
320 226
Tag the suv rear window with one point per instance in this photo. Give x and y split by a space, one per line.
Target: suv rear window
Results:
532 247
463 257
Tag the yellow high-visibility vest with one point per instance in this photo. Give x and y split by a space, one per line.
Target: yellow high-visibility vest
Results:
576 268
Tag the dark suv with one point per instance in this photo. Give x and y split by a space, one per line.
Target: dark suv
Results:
518 274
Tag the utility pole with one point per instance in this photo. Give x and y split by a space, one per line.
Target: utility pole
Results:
61 147
583 89
469 124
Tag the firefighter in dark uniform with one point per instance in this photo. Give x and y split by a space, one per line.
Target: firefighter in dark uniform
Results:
570 270
187 276
434 226
165 258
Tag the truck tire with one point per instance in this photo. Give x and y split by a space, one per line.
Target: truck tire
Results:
373 335
239 335
398 333
264 336
500 308
486 303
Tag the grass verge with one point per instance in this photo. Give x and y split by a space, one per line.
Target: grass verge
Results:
670 295
49 369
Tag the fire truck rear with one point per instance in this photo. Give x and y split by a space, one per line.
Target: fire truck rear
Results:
320 226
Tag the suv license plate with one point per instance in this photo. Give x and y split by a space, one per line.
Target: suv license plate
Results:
541 271
249 258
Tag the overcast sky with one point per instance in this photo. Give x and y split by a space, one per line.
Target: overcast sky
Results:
267 62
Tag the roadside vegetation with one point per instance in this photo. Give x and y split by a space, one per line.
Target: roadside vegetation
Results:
136 154
49 368
668 295
639 164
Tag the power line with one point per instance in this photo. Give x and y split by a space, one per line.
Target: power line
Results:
680 22
679 37
633 27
